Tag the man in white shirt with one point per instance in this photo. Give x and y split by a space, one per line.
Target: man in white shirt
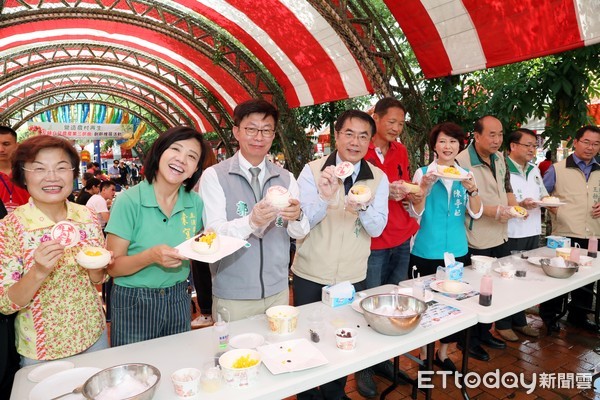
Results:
254 278
99 202
339 243
523 233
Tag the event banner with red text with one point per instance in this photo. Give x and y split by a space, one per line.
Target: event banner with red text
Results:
84 131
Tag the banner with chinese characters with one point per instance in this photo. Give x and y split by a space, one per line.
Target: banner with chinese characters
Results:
84 131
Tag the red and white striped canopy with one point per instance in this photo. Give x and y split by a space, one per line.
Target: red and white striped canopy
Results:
457 36
298 47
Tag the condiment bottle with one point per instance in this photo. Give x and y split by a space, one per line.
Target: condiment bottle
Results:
221 331
575 253
485 290
593 246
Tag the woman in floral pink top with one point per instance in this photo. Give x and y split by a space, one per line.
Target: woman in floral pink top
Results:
59 312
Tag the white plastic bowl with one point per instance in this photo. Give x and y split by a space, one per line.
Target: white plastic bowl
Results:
282 319
482 264
239 377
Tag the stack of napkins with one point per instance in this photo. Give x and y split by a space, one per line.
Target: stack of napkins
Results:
339 294
555 242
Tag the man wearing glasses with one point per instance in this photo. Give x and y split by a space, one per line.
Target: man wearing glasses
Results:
339 242
576 181
254 278
523 233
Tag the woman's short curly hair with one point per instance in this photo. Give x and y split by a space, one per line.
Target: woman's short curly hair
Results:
28 150
451 129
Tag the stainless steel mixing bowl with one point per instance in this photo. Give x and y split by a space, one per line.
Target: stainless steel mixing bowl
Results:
376 310
559 272
112 376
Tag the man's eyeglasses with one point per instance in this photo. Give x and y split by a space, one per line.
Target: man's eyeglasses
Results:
40 171
529 146
362 137
587 143
267 132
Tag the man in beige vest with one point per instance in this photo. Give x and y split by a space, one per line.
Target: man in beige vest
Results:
575 181
339 242
488 235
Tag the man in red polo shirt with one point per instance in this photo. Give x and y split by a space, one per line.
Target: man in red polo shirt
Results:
390 252
12 196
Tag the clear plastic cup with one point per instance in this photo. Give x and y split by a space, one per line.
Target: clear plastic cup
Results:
211 379
316 325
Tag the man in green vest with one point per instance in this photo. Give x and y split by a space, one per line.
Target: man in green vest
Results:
488 235
575 181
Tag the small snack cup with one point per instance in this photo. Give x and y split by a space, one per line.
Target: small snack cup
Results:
186 382
507 272
345 338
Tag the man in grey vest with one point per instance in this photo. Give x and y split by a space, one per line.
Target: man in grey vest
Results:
253 278
575 181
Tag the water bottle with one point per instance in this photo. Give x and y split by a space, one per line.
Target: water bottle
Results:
440 274
593 247
485 291
418 288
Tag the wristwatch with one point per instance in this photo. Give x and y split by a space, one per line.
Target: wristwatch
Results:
300 216
474 193
364 207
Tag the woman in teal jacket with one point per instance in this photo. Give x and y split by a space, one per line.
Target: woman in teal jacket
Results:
442 213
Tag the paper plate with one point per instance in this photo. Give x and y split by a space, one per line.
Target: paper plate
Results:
227 245
543 204
62 382
356 305
535 260
437 286
247 341
48 369
290 356
452 177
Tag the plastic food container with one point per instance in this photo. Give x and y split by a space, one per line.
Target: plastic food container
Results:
282 319
240 367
